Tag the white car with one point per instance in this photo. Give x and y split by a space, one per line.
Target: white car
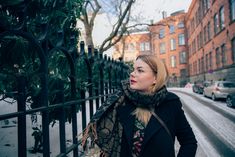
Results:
219 89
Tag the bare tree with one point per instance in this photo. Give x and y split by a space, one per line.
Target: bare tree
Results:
121 9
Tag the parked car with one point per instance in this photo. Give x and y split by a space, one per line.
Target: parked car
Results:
230 100
199 86
219 89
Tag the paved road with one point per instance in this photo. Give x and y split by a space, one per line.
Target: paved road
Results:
212 122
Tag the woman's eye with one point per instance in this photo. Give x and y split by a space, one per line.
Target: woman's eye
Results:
140 71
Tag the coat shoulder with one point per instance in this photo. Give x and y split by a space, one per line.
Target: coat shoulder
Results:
171 96
172 100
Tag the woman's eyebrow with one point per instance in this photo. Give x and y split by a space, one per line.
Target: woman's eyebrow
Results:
139 67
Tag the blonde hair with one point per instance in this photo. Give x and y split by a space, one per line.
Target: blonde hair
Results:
161 74
159 69
142 115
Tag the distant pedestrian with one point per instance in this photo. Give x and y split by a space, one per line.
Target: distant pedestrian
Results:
143 118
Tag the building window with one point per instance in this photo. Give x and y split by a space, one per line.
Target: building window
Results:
183 73
201 39
209 31
162 48
161 33
202 64
232 10
206 62
183 57
190 69
223 54
201 7
217 56
145 46
206 5
199 65
233 49
198 42
141 46
181 39
197 18
132 47
205 34
194 46
216 23
181 24
210 60
195 67
221 18
173 44
172 29
192 24
173 61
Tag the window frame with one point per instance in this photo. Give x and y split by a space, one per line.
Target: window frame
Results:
233 49
181 39
161 45
172 29
232 10
172 44
173 61
181 24
183 57
161 33
216 23
221 18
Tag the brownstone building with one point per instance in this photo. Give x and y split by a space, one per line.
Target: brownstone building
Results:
211 40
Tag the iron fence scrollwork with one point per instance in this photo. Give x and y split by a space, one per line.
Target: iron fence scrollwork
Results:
45 77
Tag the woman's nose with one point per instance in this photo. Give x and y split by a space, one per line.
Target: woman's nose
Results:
132 73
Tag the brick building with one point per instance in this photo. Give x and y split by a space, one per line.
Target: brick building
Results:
211 40
170 44
133 44
166 39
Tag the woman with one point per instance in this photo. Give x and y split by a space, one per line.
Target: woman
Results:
143 119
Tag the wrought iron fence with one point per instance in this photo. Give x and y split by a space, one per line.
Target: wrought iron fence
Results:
44 76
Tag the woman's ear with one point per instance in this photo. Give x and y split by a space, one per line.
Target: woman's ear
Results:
155 80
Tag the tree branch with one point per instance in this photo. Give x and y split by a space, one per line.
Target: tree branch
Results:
116 29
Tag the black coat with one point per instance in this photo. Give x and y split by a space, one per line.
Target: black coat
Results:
157 142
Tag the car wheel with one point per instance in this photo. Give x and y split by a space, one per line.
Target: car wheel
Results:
229 101
213 97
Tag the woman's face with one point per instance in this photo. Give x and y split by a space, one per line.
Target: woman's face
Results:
142 78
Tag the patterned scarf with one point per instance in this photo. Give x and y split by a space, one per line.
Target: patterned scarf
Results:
105 129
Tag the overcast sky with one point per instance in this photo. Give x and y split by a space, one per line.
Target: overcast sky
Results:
152 9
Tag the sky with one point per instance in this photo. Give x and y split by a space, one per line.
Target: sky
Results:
152 9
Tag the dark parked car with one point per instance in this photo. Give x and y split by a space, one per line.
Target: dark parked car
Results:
230 100
199 86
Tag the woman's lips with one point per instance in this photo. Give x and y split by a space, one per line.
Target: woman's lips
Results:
133 81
